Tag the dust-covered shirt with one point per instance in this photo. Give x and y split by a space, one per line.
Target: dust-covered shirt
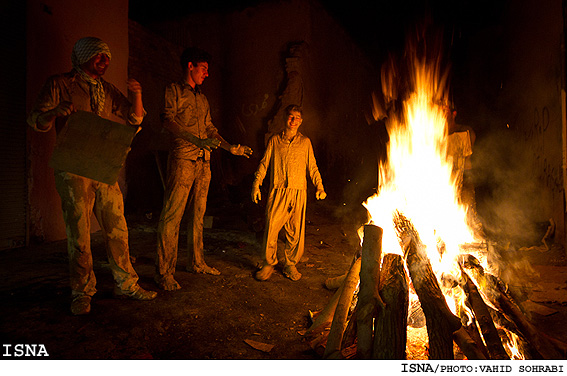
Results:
290 162
71 87
189 108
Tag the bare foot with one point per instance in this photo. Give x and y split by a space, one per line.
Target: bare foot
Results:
204 269
167 283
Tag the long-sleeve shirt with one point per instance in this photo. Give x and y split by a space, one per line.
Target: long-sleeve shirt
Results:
290 163
189 108
73 88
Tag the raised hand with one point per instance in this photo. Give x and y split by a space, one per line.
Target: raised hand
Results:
134 86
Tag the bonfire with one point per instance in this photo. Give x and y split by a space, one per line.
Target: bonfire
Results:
421 281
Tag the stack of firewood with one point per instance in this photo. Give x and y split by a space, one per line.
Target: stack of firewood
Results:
367 317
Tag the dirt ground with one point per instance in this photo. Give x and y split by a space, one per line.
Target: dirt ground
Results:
231 316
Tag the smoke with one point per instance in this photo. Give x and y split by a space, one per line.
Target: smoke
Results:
509 195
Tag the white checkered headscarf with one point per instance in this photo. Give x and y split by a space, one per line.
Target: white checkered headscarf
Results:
83 50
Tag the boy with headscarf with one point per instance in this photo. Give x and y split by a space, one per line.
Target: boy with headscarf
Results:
83 89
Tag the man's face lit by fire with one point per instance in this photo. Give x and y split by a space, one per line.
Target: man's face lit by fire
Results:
96 66
198 73
293 121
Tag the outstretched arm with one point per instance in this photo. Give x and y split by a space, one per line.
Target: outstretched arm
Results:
241 150
177 130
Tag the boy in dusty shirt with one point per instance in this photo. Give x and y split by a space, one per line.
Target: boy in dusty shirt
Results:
290 156
187 117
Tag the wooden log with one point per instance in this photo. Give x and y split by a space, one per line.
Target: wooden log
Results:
488 329
390 328
325 318
416 318
474 333
349 336
341 312
318 343
502 321
509 328
468 345
441 323
543 346
368 295
517 346
333 283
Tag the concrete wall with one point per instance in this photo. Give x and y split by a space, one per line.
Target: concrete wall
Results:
511 94
53 26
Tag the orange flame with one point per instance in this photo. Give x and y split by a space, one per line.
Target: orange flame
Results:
420 177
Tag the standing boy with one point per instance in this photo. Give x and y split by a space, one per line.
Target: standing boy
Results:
187 117
291 157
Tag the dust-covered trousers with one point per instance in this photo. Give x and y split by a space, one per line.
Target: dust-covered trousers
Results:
183 174
79 197
285 209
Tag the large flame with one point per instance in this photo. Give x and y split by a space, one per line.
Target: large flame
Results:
417 179
420 178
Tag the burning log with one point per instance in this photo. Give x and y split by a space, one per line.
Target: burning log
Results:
474 333
482 314
368 296
441 323
541 343
390 328
543 347
416 318
502 321
468 345
341 312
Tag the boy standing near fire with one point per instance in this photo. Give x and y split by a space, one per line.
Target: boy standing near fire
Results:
290 155
187 117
